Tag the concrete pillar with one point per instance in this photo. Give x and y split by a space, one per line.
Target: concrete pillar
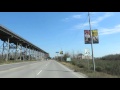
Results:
7 50
3 48
16 52
20 51
29 54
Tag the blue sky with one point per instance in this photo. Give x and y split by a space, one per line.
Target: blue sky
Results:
53 31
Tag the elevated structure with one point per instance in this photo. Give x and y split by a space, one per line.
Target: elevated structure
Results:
15 47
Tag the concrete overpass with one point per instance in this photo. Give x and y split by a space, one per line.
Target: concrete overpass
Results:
15 47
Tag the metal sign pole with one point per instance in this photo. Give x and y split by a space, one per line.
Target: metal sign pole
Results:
87 53
88 62
57 55
91 43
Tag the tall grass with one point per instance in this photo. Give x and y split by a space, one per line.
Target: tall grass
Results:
107 66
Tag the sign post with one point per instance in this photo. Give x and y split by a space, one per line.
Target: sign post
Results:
87 53
57 55
61 52
91 37
91 43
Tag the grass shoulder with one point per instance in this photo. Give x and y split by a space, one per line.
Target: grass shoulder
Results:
13 61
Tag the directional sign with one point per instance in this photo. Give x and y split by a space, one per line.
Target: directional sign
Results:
61 52
68 59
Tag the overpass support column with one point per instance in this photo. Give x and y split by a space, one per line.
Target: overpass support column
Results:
43 55
8 44
36 54
3 47
29 54
3 50
20 51
12 51
16 52
39 55
25 53
32 54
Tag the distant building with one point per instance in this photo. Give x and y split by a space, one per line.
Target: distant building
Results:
82 56
86 57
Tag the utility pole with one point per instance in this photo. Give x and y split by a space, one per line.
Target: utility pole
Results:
57 55
61 55
91 43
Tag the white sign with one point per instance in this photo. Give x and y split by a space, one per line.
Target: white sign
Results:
68 59
87 52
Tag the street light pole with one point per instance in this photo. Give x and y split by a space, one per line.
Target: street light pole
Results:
91 43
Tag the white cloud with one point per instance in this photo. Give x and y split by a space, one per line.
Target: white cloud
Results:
76 16
71 18
105 31
94 22
99 19
66 20
80 26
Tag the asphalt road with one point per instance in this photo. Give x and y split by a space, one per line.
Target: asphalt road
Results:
37 69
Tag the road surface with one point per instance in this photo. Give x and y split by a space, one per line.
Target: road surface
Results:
37 69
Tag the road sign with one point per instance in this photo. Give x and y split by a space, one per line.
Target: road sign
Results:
68 59
87 52
61 52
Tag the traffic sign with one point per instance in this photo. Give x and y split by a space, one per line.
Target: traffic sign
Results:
87 52
61 52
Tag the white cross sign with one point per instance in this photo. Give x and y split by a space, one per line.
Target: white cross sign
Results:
87 52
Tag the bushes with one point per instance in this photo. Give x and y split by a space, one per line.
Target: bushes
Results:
109 64
106 66
80 65
99 69
110 57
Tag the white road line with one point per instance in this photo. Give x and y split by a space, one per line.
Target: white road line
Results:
39 72
43 68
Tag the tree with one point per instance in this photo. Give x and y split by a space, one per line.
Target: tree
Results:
65 56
